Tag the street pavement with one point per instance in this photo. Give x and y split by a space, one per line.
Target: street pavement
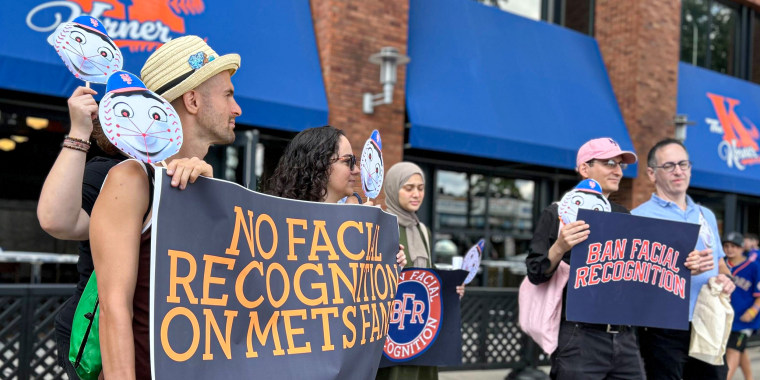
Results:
499 374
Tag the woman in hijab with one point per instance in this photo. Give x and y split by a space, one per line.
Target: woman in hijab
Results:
404 188
404 193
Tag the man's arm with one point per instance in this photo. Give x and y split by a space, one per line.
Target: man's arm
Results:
537 262
547 249
60 206
115 230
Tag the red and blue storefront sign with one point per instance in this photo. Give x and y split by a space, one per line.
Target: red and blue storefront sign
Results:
279 84
724 143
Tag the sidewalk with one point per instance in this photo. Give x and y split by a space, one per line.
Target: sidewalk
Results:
483 374
499 374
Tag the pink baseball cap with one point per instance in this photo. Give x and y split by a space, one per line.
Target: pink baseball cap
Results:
601 149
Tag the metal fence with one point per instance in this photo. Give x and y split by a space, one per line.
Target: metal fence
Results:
491 338
490 335
27 339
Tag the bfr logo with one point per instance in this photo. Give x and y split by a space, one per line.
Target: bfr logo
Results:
402 308
415 315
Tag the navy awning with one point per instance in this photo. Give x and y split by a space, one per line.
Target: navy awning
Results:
484 82
724 143
279 84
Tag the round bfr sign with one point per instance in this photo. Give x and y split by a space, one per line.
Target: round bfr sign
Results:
415 316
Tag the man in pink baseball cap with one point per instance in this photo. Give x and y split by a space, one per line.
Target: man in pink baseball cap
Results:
583 348
602 160
603 152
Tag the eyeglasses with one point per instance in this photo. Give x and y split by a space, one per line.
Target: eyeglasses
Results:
610 164
671 166
349 159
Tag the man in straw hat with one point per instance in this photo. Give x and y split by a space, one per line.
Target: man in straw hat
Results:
196 80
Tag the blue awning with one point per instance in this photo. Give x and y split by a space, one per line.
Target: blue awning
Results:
279 84
724 143
484 82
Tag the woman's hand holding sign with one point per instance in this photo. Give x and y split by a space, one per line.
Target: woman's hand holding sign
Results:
700 261
401 257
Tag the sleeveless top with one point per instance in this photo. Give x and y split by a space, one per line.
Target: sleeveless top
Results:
141 310
141 300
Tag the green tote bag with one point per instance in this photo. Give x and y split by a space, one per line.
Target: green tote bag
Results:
84 349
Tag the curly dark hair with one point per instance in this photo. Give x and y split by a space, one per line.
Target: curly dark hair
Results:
304 168
102 140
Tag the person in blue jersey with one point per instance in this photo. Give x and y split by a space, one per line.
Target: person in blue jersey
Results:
745 300
665 351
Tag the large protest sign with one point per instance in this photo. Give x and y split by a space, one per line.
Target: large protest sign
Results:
247 285
630 271
425 319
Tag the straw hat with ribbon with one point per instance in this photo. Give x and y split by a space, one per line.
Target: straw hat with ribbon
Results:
182 64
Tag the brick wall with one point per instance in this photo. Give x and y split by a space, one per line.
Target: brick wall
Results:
752 3
348 32
639 41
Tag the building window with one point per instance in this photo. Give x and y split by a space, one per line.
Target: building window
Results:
473 206
711 35
510 208
572 14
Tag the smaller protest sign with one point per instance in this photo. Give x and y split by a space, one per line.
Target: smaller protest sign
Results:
138 121
631 271
86 49
471 262
425 319
371 165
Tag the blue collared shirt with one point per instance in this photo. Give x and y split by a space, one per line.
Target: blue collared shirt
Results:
659 208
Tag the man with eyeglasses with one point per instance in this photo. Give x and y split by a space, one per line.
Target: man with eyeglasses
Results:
665 352
585 350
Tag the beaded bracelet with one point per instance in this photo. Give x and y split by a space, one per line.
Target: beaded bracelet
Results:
74 139
75 148
76 145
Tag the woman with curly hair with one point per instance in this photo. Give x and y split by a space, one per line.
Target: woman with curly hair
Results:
318 165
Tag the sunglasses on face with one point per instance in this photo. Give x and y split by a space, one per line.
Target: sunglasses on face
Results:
610 164
671 166
349 159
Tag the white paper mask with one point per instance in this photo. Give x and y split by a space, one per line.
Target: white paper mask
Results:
86 49
137 121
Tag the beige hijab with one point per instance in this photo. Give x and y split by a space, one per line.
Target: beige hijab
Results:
395 179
